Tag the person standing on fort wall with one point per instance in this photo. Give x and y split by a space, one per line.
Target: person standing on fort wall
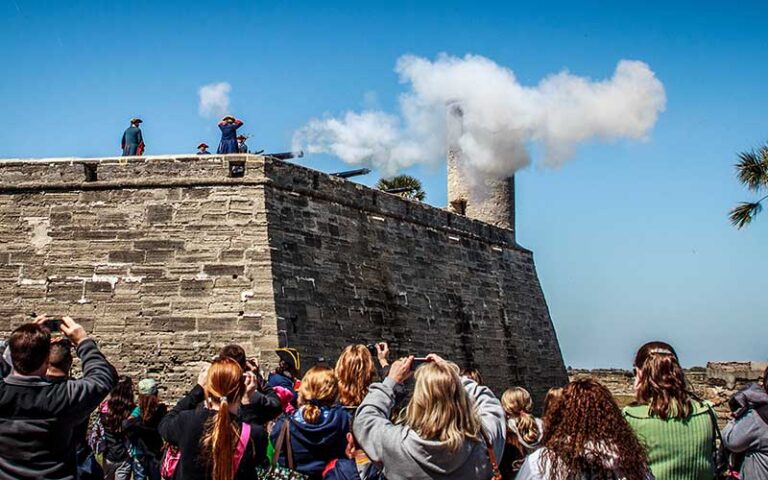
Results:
133 141
228 126
242 147
202 149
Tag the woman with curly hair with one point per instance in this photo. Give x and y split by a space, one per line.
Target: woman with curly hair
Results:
677 427
114 411
354 371
589 439
524 431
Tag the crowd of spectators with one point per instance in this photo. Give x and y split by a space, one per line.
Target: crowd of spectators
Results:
364 419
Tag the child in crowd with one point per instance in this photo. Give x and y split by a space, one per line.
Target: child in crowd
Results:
524 431
317 429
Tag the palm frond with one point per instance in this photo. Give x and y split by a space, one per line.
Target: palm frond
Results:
752 168
744 213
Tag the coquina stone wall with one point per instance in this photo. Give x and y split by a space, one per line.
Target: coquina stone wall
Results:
166 259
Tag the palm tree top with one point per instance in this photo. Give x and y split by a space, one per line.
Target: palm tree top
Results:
415 192
752 171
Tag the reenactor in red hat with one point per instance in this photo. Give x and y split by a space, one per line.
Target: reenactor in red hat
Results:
202 149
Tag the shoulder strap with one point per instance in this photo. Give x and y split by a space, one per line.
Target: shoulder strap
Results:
245 436
491 456
278 446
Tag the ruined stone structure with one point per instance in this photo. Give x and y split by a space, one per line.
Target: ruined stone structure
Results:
715 383
166 259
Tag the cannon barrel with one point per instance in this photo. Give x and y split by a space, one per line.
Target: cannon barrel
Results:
285 155
352 173
400 189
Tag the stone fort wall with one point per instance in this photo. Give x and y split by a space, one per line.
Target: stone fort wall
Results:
169 258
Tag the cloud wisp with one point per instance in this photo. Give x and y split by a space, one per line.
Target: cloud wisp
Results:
214 99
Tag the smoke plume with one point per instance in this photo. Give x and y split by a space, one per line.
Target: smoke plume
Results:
501 117
214 99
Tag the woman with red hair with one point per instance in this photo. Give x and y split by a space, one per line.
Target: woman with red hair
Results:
214 443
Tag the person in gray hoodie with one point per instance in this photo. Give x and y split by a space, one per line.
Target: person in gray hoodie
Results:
748 431
451 429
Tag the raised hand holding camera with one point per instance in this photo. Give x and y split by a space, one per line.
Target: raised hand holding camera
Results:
73 330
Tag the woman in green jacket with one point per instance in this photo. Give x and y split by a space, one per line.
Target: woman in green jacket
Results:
676 427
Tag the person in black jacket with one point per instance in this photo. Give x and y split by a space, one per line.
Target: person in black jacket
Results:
37 416
208 437
59 369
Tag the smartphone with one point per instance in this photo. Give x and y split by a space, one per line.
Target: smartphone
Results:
418 361
53 324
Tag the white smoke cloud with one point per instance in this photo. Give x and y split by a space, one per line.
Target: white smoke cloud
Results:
214 99
501 116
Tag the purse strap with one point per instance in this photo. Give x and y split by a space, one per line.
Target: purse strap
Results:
491 456
245 435
284 439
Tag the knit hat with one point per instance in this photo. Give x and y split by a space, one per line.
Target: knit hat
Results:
148 386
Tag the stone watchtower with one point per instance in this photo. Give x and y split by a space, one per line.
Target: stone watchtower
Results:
493 200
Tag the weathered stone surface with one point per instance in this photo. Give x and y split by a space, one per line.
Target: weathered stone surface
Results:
169 259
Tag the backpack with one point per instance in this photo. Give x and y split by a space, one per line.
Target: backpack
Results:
96 437
171 458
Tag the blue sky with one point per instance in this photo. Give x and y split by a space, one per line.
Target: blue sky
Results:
631 238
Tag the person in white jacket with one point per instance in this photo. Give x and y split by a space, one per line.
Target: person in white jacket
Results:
450 430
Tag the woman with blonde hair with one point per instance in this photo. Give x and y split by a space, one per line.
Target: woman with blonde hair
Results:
678 428
317 430
452 428
355 372
214 443
524 431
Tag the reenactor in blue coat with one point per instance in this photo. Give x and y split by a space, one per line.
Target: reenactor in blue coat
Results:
202 149
228 126
133 142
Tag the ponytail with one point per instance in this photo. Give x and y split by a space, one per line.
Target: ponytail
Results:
311 413
527 427
220 440
224 385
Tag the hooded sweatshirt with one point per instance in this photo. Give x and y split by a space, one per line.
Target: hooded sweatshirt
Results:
405 455
314 444
748 432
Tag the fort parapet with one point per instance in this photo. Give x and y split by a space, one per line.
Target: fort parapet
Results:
169 258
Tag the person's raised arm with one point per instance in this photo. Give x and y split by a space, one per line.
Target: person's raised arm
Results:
742 432
259 407
171 427
373 429
99 376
